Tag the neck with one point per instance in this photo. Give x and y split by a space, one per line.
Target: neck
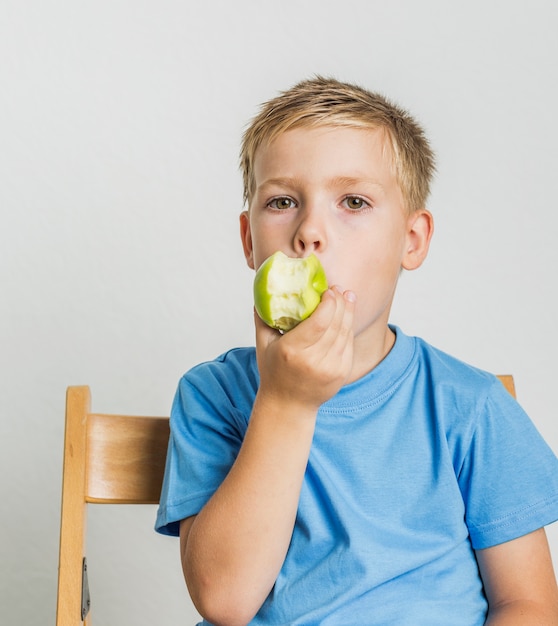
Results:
370 348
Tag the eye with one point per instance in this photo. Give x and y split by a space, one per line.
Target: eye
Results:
355 203
281 203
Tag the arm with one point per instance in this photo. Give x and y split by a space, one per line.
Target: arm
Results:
519 582
234 548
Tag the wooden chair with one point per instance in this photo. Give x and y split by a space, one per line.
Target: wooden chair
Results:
108 459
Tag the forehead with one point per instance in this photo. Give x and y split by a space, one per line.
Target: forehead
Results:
325 150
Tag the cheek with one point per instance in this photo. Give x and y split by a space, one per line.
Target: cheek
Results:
372 275
268 236
263 247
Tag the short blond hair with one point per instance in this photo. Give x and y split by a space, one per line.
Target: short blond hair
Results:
328 102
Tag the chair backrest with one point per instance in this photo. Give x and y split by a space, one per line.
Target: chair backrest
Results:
108 459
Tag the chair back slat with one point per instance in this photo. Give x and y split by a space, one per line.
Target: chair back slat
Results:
125 458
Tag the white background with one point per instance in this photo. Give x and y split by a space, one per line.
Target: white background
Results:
119 194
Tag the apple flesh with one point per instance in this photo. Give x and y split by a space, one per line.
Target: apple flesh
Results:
287 290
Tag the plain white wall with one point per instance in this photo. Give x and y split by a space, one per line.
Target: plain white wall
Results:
119 194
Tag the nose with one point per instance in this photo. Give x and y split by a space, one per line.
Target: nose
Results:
310 235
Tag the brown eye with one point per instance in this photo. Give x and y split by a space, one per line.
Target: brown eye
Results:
355 203
281 203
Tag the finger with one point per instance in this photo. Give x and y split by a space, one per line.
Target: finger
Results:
337 343
312 330
349 313
345 335
343 301
320 332
341 328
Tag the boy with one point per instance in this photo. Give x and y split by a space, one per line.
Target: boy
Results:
344 473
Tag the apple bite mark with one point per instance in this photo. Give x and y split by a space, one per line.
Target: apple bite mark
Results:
287 290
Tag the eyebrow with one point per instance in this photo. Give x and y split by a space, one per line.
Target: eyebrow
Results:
279 182
338 181
347 181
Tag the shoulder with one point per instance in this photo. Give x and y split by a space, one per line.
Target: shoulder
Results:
461 395
231 379
237 363
452 374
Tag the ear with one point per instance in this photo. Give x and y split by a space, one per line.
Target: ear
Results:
246 237
420 228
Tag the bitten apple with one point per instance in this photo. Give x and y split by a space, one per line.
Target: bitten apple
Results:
288 290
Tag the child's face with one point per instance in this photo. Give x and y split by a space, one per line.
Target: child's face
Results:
332 191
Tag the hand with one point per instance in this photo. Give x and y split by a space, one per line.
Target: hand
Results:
309 364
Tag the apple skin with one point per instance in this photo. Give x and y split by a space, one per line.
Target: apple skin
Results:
288 290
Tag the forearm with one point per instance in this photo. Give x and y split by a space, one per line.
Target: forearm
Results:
233 549
522 613
238 542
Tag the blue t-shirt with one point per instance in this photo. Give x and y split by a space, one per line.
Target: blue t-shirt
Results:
412 468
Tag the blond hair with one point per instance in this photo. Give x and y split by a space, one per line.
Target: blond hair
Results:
328 102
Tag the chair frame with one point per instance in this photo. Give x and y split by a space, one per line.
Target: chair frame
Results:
108 459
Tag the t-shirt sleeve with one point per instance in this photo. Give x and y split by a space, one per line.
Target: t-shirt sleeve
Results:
206 434
509 479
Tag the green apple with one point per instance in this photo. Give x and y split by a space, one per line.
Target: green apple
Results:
287 290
